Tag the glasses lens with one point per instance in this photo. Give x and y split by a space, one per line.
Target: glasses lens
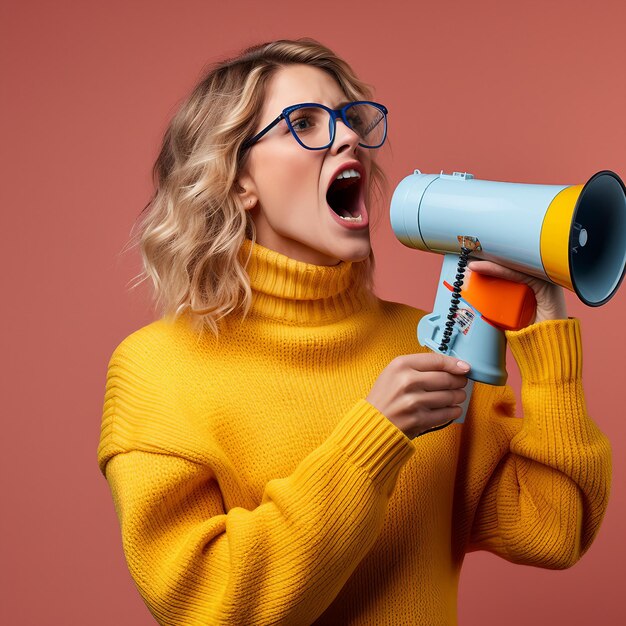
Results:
369 123
312 126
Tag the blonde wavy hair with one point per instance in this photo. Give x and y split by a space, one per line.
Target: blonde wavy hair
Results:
191 231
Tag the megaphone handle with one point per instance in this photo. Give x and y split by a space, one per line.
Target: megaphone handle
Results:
473 339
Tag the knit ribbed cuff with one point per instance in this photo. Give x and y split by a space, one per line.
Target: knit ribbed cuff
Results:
549 351
372 442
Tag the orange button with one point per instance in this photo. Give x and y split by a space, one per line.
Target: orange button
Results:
505 304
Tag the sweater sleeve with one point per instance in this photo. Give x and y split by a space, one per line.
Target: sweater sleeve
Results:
195 562
546 496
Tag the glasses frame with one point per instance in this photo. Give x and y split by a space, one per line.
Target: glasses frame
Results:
334 115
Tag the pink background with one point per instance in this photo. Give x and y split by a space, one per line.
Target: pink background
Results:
525 92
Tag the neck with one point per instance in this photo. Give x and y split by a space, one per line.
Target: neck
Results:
303 293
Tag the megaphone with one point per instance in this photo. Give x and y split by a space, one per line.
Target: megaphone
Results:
571 235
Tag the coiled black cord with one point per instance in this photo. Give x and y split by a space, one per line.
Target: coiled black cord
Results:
456 298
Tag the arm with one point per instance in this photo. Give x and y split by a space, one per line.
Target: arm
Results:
544 501
195 562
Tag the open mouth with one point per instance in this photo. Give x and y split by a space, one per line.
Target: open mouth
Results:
343 196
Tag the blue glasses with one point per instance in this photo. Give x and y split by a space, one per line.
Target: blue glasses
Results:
313 125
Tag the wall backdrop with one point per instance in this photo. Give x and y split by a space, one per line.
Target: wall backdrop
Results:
531 91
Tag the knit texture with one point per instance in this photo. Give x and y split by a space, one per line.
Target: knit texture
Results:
255 484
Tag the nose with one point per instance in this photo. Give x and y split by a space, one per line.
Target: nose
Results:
346 140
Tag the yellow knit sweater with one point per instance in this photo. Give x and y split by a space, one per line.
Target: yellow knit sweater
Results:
255 485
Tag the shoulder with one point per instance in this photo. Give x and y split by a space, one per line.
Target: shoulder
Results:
394 328
402 315
163 346
155 363
156 340
146 385
151 367
401 310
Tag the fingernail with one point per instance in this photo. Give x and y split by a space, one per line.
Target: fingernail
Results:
463 365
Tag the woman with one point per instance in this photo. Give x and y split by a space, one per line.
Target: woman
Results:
270 471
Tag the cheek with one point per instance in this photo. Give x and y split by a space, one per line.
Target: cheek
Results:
288 182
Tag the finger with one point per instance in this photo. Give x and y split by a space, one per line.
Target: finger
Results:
488 268
434 361
441 399
438 417
438 381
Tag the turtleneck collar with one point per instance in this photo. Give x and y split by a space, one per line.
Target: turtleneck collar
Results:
298 292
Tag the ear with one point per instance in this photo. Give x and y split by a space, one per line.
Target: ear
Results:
246 189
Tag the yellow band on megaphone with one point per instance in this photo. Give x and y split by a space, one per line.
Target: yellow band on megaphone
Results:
555 235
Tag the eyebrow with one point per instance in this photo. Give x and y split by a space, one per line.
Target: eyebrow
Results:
340 105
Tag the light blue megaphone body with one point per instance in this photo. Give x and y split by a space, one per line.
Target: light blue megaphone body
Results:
572 235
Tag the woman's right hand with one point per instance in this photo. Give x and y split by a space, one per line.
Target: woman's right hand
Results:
417 392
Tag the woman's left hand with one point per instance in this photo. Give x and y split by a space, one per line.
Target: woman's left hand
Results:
550 297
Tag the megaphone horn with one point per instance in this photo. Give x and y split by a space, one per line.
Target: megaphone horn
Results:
574 236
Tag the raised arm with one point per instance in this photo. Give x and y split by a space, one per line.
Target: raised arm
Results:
546 494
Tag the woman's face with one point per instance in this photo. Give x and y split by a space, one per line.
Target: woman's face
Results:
287 185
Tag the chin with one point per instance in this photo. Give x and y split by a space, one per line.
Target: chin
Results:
360 253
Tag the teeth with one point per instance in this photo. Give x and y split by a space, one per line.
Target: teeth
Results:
348 174
352 219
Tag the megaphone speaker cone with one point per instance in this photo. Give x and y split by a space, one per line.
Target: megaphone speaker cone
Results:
597 242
